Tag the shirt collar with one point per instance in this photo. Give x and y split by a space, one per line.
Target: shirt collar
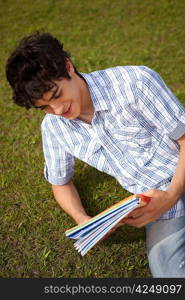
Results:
98 91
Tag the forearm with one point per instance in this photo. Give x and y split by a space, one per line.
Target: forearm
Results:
69 200
177 186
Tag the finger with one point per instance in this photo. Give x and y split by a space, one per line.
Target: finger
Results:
135 214
129 219
138 209
141 211
136 222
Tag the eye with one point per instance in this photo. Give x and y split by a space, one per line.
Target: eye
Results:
58 95
41 107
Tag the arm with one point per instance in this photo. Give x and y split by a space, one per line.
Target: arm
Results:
59 166
157 105
68 198
177 186
161 200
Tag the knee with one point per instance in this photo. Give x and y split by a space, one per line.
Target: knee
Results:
166 261
157 262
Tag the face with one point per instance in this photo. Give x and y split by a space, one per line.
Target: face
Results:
65 99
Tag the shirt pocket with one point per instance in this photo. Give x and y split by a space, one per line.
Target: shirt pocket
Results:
133 135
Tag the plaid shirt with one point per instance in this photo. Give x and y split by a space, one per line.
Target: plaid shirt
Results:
132 136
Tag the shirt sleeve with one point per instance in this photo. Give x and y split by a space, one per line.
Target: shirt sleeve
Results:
158 105
59 164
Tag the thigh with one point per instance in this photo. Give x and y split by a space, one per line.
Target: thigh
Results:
166 247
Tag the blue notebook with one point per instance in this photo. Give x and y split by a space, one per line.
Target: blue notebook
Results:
91 232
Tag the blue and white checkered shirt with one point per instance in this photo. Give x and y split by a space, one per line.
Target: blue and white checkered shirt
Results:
132 137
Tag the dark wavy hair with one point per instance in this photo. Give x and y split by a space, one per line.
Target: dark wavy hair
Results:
31 69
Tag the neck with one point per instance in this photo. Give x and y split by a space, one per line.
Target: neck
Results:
87 108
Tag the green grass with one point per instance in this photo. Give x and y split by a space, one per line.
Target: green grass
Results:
99 34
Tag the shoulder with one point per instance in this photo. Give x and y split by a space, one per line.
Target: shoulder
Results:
120 74
46 121
50 123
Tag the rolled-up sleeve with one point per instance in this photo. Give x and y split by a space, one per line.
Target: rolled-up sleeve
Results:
158 105
59 164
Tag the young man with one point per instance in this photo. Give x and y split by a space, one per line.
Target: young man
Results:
125 122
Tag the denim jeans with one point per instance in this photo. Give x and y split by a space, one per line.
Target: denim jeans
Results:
166 247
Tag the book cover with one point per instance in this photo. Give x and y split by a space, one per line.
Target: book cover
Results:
91 232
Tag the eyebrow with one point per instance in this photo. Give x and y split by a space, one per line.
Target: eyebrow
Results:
52 96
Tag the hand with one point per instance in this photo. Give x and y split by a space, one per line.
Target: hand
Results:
84 219
160 202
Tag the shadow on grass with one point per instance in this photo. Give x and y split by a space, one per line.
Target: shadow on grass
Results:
126 234
97 190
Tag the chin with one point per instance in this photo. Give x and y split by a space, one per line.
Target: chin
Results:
72 117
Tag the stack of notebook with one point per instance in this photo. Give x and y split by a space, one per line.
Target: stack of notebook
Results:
92 231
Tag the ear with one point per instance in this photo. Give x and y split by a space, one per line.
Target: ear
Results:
69 67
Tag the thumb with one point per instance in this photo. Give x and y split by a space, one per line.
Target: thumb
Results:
149 193
146 197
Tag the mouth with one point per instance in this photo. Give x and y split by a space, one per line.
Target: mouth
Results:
68 111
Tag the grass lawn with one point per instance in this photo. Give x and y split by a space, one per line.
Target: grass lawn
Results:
99 34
